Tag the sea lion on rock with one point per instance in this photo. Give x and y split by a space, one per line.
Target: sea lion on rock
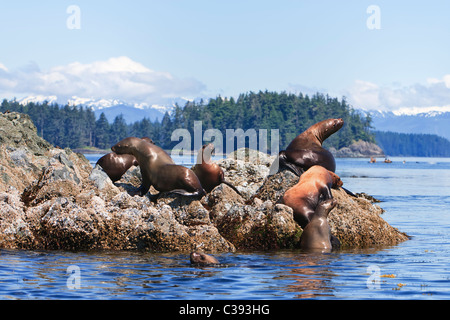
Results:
201 258
316 236
306 149
115 165
159 170
314 186
209 173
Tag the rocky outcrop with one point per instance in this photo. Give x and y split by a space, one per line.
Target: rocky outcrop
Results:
18 131
358 149
52 198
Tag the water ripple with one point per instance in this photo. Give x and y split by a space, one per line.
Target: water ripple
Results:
416 201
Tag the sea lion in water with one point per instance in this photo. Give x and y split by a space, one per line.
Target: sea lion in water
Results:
316 236
306 149
202 258
115 165
313 186
209 173
159 170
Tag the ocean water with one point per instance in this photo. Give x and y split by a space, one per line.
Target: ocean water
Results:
414 193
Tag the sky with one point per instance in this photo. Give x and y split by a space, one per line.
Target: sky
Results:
384 55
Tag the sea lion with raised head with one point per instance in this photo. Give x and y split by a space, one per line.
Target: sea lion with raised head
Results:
201 258
306 149
159 170
209 173
316 236
313 186
115 165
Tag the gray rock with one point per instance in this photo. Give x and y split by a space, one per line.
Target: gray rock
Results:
358 149
17 130
99 177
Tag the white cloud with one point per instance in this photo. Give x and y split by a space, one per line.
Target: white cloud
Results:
116 78
446 80
434 95
364 95
2 67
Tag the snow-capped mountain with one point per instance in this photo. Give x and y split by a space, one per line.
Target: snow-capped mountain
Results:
38 99
429 122
131 111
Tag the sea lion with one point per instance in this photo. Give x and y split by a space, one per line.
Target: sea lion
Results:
115 165
201 258
158 169
313 186
209 173
316 236
306 149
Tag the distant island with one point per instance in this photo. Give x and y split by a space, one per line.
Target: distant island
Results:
77 127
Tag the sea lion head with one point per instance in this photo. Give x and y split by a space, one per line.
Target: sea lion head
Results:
326 128
127 145
206 153
337 182
208 150
327 205
202 258
147 139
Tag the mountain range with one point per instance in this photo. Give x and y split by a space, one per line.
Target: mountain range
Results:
429 122
131 112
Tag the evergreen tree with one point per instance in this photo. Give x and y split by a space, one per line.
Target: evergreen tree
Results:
165 133
118 130
102 132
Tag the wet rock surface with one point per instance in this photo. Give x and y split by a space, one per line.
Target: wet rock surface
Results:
52 198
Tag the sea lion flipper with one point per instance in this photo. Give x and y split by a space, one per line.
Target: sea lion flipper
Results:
285 164
154 197
143 190
188 193
232 187
349 192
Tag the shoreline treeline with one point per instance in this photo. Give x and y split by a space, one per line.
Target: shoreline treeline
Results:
77 127
412 144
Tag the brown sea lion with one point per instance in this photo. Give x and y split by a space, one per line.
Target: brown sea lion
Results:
313 186
201 258
306 149
209 173
158 169
316 236
115 165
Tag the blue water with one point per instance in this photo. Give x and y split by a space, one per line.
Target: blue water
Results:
415 195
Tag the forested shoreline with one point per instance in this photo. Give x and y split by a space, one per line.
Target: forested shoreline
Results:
412 145
76 126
